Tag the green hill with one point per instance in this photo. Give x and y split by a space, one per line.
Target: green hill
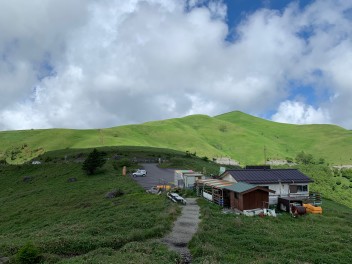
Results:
237 135
74 222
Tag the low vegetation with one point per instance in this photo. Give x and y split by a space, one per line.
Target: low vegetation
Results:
235 135
229 238
54 212
75 221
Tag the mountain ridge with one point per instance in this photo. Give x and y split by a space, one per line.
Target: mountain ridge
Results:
235 134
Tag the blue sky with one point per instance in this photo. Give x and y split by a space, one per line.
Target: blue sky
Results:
110 63
237 10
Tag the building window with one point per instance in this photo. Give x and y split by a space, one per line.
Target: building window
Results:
298 188
303 188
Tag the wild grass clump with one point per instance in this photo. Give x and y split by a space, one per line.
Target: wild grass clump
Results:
28 254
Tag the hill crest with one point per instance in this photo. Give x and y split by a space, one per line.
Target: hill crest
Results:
236 135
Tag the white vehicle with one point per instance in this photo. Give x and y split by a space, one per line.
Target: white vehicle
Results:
141 173
176 198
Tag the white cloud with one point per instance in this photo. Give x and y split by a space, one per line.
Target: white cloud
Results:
294 112
109 63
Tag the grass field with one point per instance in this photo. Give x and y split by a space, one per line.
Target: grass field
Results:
236 135
228 238
73 222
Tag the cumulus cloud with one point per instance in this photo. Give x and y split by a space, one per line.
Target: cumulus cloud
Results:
85 64
294 112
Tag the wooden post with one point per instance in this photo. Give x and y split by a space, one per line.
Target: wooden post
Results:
124 171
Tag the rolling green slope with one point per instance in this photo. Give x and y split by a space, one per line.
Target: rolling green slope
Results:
235 134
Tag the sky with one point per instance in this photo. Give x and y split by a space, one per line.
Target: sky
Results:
104 63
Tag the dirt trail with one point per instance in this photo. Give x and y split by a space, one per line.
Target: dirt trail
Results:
184 229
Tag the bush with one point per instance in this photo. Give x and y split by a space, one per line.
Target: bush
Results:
347 173
321 161
94 161
289 160
205 158
124 162
303 158
223 128
28 254
48 159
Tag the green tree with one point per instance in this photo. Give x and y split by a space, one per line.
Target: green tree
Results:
94 161
304 158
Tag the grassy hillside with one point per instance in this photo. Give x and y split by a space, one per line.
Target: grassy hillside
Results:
227 238
236 135
73 222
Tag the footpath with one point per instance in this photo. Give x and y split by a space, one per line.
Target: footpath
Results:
184 228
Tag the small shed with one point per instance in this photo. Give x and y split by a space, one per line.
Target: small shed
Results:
191 178
187 178
178 177
244 196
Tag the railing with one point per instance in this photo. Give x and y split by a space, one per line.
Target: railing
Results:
314 198
299 195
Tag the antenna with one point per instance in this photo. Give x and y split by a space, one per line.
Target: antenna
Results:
264 155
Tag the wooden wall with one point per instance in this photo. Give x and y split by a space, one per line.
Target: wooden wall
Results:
247 201
254 199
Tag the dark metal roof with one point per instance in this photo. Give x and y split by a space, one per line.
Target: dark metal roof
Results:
268 176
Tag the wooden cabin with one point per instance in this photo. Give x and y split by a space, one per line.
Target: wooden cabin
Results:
241 196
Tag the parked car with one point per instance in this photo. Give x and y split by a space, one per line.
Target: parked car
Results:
140 173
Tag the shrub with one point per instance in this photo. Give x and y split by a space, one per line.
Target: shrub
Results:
289 160
48 159
94 161
346 173
205 158
28 254
304 158
321 161
223 128
124 162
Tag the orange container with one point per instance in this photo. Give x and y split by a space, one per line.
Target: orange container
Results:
313 209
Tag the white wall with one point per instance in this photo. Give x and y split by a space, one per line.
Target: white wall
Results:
191 180
281 190
228 178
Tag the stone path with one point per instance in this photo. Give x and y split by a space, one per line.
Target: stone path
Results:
184 229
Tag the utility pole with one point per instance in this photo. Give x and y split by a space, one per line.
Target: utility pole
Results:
101 135
264 155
